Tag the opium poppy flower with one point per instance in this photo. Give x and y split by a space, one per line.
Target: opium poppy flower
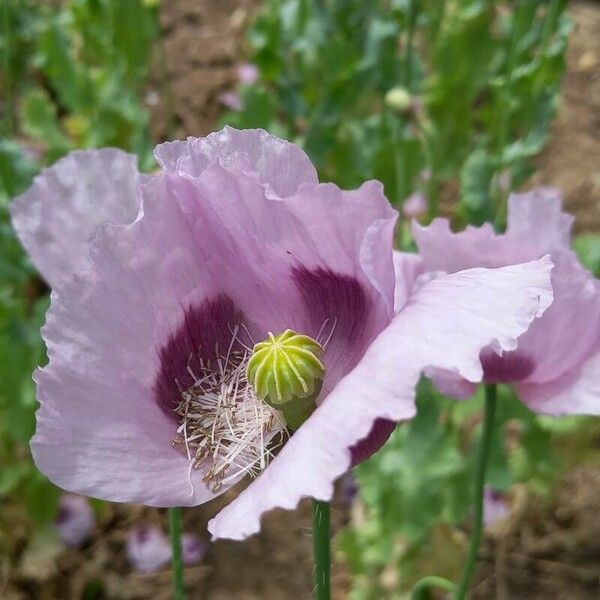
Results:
193 548
556 367
75 520
248 73
495 507
148 549
415 206
249 321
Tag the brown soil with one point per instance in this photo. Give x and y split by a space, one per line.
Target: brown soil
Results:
543 551
571 161
273 565
546 552
203 41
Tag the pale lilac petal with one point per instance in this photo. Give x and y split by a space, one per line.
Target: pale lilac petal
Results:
121 331
495 507
351 237
75 520
570 330
407 268
281 165
577 392
442 250
446 324
554 346
58 215
415 206
100 430
536 218
193 548
148 549
248 73
551 353
536 226
451 384
231 100
262 239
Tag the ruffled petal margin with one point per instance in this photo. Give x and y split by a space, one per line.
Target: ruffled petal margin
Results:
58 215
100 431
281 165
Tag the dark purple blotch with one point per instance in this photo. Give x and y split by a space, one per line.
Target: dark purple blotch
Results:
205 332
341 301
65 513
508 368
337 299
142 534
378 436
348 488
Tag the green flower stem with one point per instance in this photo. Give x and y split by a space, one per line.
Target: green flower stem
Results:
322 551
176 561
484 452
413 7
421 589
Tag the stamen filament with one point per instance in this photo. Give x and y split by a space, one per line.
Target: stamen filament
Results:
225 429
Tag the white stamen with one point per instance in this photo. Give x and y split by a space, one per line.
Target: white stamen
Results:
225 429
318 338
325 343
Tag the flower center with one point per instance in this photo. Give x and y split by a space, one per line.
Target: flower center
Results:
237 410
223 422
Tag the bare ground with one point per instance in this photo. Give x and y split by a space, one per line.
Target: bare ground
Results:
275 564
203 41
546 551
571 161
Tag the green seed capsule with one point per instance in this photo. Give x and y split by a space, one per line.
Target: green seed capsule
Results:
285 367
398 99
287 373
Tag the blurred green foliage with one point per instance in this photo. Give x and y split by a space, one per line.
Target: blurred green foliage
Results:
483 79
21 350
71 77
75 72
587 247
